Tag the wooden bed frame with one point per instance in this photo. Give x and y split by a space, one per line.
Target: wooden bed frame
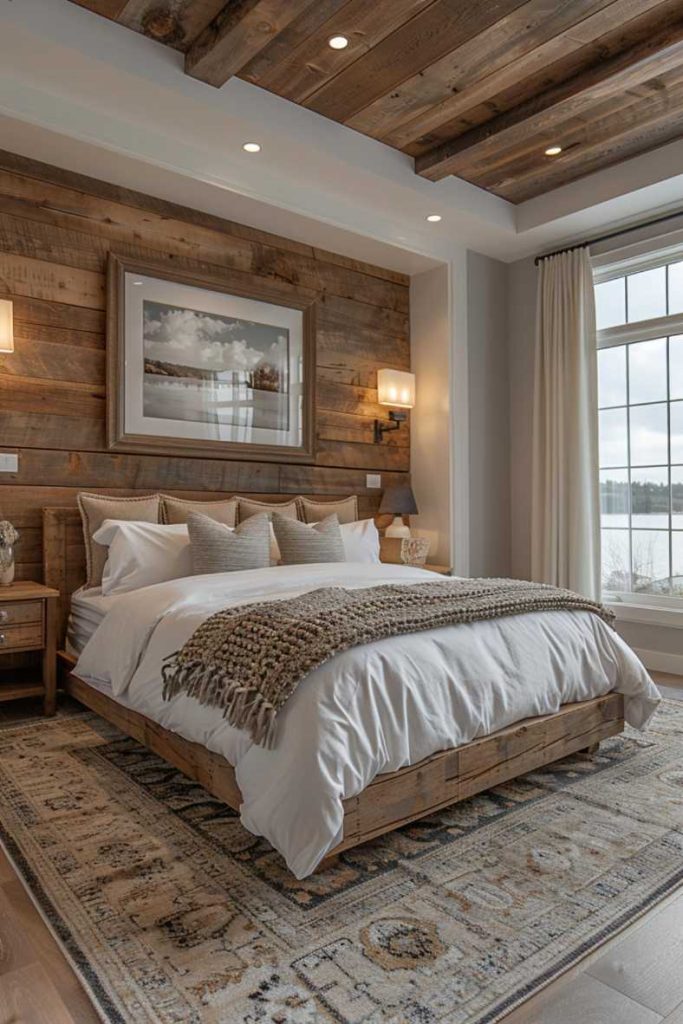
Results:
391 800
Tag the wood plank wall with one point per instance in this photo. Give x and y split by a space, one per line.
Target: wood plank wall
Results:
56 229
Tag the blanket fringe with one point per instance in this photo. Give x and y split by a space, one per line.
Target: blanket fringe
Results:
243 706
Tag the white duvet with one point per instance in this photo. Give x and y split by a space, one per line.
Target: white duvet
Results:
371 709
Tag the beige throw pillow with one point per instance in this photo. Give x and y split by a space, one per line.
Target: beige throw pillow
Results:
247 507
94 509
218 548
345 509
301 544
176 510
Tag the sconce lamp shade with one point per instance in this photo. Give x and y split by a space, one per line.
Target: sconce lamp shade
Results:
397 388
6 326
398 501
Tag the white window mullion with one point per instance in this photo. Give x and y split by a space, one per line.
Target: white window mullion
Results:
635 258
614 305
644 330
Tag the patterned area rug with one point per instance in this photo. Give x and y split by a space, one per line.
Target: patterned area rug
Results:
172 913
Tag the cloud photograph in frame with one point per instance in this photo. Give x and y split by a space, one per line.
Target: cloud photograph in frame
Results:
209 368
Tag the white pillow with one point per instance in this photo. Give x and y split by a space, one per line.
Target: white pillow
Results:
361 541
141 554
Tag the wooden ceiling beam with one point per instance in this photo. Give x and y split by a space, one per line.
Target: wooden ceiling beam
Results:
106 8
650 57
241 30
635 109
643 130
173 22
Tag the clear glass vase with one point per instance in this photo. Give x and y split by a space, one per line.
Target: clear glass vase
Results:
6 564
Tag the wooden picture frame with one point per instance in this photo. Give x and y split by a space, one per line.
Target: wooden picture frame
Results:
120 438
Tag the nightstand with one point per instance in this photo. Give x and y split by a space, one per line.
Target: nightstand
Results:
28 622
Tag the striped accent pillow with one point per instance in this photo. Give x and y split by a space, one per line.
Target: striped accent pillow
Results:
301 544
218 548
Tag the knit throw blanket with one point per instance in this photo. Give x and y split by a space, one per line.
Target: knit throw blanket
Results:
248 660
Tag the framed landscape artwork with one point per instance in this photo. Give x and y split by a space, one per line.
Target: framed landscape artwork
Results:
200 368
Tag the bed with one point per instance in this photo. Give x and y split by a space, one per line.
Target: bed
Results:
400 783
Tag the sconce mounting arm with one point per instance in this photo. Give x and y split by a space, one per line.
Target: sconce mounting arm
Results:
397 418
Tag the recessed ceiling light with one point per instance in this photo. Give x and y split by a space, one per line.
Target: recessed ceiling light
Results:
338 42
137 282
553 150
434 218
251 147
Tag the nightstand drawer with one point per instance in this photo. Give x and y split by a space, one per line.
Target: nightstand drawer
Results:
16 613
21 638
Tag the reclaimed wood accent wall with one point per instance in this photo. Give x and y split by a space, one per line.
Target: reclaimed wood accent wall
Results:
56 229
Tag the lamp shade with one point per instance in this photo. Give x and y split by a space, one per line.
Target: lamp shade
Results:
397 388
6 326
398 501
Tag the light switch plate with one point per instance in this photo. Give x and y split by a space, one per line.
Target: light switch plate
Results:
373 480
9 463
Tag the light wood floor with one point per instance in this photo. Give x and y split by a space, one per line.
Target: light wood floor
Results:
637 978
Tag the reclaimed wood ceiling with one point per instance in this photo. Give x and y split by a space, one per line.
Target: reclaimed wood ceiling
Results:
475 88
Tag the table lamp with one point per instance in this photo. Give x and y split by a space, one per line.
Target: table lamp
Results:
398 501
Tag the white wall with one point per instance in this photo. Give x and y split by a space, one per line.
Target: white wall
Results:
521 323
659 647
460 450
431 434
489 404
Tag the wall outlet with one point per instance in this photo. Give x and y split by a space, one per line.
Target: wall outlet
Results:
373 480
9 463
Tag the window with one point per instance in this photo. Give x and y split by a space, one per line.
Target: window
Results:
639 314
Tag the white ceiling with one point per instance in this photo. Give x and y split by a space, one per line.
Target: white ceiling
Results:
88 95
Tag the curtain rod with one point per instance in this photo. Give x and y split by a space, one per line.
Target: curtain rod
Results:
612 234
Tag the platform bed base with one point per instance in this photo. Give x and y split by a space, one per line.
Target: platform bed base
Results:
396 798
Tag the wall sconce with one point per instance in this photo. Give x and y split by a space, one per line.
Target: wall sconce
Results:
6 326
395 388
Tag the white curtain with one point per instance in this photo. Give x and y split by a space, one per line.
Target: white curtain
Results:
565 539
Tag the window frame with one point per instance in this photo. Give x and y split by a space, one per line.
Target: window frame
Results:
626 334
